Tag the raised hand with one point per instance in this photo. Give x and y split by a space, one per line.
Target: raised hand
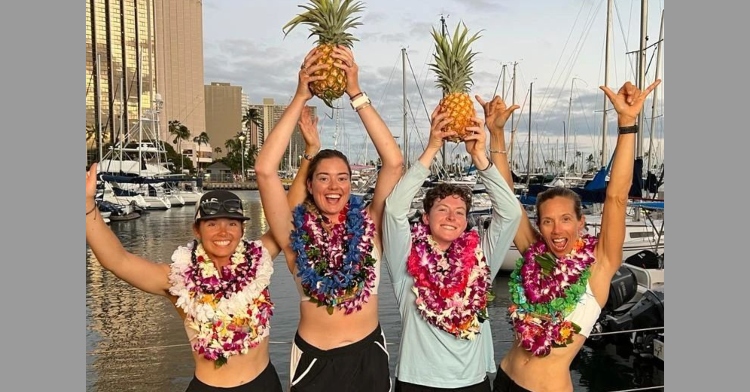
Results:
437 124
476 139
306 71
308 126
628 102
91 185
496 113
345 61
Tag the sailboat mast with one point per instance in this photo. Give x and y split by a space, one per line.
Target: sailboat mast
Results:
528 156
565 131
604 155
99 106
443 28
653 102
642 70
403 91
641 85
512 117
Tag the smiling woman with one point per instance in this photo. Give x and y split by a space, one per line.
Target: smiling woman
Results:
218 283
331 242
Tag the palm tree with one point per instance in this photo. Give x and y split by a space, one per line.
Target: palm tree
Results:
252 116
590 162
180 133
252 152
200 139
217 150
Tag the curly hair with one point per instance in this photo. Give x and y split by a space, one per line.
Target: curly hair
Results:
441 191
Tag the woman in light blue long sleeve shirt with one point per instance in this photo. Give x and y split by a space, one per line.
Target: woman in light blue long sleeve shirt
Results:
442 273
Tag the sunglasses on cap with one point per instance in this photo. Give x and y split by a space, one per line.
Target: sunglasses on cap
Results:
212 207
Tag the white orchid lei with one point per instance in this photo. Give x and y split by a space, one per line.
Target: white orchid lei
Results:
452 287
230 311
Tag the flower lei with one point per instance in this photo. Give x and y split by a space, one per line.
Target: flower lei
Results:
544 290
229 309
336 269
452 287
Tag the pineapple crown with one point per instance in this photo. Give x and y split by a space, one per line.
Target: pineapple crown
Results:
328 20
454 60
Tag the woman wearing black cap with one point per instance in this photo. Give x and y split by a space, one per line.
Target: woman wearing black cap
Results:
226 314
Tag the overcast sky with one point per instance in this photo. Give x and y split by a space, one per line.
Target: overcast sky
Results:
559 45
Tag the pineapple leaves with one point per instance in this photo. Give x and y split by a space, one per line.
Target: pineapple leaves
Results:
454 59
329 21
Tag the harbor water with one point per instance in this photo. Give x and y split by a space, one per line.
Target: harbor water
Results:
136 341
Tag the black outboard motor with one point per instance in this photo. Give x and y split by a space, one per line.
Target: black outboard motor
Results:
645 259
647 313
622 289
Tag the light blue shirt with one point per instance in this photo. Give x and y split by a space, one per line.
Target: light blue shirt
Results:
429 356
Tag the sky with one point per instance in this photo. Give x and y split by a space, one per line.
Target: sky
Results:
556 45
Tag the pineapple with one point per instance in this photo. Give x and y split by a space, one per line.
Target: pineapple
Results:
328 20
453 63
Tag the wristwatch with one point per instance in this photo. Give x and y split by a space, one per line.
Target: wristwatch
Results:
361 100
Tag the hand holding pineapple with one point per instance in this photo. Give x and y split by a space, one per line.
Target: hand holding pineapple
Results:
307 74
438 132
345 61
476 140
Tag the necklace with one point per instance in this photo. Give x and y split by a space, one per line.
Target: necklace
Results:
336 269
452 286
545 289
229 310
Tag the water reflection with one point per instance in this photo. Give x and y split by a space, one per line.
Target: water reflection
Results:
135 341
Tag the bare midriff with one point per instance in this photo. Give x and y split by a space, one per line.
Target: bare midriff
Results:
327 331
542 374
239 369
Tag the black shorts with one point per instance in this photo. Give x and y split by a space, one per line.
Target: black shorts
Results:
357 367
267 381
503 383
483 386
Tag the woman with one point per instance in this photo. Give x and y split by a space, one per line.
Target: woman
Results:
552 319
442 273
332 246
226 314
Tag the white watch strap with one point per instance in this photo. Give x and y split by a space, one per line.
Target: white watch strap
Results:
359 101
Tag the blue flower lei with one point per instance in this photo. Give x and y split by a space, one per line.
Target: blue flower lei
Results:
337 269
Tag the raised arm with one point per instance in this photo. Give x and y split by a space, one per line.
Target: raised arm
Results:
385 144
138 272
506 211
628 103
271 189
496 115
396 228
309 128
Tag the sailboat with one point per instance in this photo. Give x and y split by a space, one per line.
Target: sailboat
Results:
643 231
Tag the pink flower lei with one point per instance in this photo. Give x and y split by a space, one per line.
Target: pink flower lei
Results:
452 287
544 290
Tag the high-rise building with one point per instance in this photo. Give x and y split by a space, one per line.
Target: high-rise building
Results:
271 113
223 113
179 64
140 54
120 63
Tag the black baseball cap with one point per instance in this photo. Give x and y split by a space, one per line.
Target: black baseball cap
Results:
219 204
